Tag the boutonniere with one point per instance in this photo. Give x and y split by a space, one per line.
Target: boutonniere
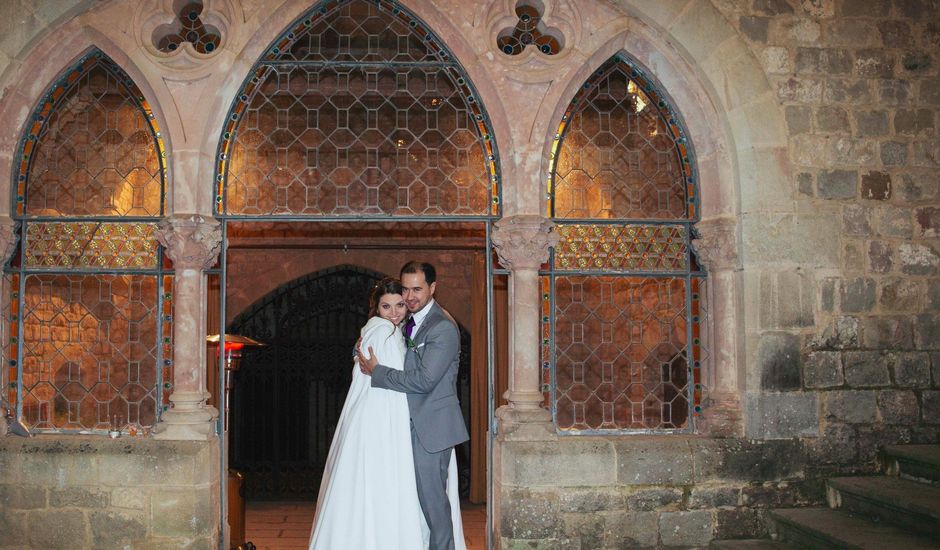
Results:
412 346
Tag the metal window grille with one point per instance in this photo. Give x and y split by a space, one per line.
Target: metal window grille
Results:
89 293
622 292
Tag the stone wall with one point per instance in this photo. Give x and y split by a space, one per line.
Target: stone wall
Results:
93 492
597 493
849 349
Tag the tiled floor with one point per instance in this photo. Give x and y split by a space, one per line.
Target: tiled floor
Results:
286 525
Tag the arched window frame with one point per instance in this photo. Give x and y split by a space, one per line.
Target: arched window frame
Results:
80 247
443 59
596 256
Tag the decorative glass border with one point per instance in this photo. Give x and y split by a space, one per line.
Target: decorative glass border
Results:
445 60
90 244
649 86
622 247
37 123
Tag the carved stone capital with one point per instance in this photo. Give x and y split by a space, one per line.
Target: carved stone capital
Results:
522 242
191 241
8 239
717 244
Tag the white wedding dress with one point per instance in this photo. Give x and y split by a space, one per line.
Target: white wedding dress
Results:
368 498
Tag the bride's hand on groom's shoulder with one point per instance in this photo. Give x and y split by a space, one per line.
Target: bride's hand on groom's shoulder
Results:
366 364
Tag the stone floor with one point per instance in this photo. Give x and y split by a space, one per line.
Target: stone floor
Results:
286 525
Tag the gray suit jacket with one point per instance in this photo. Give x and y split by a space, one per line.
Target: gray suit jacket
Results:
429 379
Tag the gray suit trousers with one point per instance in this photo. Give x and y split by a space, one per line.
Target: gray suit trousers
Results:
431 477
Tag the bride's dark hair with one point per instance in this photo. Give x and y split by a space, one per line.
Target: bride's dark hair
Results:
387 285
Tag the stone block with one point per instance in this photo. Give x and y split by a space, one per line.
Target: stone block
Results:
690 528
754 28
843 150
78 497
874 63
111 529
181 512
925 153
880 256
918 10
798 119
856 220
913 122
840 333
828 61
832 118
809 149
713 497
898 407
931 406
128 497
147 465
927 331
527 515
933 293
887 333
823 369
837 184
855 92
778 358
776 60
801 90
851 406
853 32
894 153
919 185
786 30
767 495
929 91
894 34
772 7
781 415
595 499
916 62
639 463
871 123
69 531
804 183
742 460
787 299
818 9
928 221
866 369
22 497
836 445
740 523
894 92
769 237
13 529
895 222
876 186
612 529
853 258
827 294
901 295
931 35
857 295
654 499
918 259
537 463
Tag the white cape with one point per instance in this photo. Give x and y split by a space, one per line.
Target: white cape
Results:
368 497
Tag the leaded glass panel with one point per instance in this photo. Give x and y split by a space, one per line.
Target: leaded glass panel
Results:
622 247
91 244
92 148
90 351
621 353
357 111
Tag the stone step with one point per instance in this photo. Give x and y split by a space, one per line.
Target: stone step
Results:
749 544
909 505
826 528
919 462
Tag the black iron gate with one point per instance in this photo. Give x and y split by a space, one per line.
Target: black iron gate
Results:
287 396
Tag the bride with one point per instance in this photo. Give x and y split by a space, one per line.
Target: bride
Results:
368 497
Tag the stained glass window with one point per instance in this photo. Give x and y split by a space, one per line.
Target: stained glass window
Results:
358 110
622 308
89 288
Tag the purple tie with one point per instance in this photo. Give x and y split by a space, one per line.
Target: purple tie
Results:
409 326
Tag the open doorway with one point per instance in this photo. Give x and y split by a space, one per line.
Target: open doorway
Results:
301 288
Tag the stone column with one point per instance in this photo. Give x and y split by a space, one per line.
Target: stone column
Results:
717 251
193 243
522 243
8 241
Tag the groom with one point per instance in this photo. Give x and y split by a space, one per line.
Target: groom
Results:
429 379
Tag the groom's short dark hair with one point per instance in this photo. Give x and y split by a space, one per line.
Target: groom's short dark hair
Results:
430 274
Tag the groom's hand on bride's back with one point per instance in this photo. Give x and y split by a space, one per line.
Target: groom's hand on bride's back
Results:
367 365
